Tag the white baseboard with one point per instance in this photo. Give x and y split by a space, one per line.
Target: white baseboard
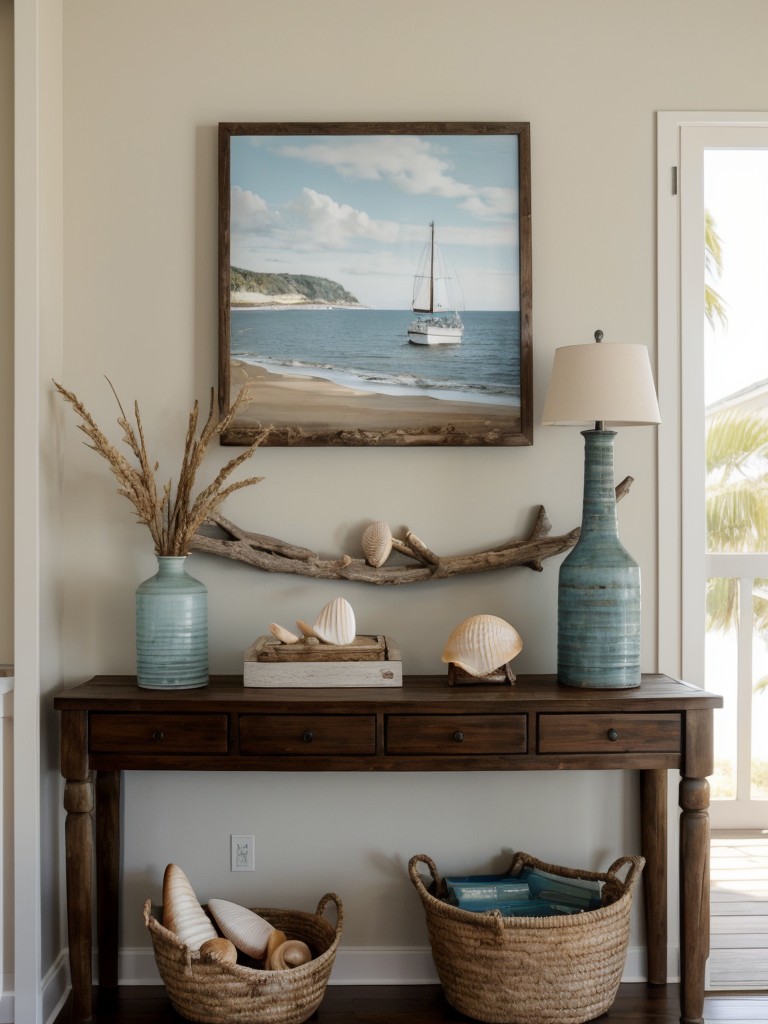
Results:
55 986
6 999
374 965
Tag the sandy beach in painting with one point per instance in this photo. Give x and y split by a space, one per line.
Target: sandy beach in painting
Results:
313 403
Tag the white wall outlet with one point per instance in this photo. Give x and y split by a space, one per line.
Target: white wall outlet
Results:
241 853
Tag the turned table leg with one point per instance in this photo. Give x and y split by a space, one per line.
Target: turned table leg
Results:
107 879
694 864
653 826
78 803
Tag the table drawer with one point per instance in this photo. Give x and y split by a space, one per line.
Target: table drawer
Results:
307 735
158 733
609 734
456 735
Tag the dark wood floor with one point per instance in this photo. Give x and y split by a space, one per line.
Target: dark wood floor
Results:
424 1004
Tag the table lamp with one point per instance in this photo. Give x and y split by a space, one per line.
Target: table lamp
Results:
598 601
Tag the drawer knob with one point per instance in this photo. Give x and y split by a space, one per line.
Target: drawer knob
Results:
308 736
158 735
612 735
458 736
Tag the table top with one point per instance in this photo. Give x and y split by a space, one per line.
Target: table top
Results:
531 692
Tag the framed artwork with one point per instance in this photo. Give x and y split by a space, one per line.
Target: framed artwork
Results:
375 283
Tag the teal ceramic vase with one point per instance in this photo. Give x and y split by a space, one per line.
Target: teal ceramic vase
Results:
171 628
598 610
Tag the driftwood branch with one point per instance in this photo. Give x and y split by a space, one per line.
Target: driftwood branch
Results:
273 555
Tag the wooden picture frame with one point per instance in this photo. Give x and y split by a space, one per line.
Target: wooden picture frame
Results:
321 227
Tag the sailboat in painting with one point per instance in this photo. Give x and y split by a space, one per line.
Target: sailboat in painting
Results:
437 321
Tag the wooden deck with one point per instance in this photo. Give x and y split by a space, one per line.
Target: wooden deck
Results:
738 960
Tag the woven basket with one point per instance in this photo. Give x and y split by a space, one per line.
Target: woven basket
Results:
220 993
531 970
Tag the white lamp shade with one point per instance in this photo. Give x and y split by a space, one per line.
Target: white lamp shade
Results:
604 382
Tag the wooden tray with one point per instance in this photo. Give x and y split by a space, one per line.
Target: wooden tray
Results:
367 661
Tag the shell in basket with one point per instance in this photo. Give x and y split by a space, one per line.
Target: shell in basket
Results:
291 953
215 992
249 932
219 951
182 913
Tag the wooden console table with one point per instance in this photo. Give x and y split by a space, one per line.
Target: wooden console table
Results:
109 725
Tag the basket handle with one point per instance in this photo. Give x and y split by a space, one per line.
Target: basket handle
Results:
422 858
636 866
521 860
331 897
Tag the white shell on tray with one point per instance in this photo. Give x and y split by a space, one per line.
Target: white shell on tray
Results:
336 622
481 644
249 932
291 953
377 543
182 913
334 625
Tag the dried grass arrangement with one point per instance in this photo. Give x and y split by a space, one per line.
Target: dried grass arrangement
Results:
172 518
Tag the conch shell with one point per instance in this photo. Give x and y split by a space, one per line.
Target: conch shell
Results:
249 932
482 644
182 914
292 953
277 938
377 543
334 625
219 951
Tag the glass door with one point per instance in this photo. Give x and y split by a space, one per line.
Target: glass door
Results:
724 385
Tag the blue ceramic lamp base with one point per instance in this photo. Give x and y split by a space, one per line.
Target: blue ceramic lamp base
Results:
598 613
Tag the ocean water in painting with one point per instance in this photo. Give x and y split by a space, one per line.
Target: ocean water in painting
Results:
368 349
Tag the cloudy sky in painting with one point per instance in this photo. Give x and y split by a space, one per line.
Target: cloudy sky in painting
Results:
356 209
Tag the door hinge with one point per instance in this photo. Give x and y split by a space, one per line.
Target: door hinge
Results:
674 181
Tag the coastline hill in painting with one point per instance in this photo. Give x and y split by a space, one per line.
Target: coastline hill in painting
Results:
251 288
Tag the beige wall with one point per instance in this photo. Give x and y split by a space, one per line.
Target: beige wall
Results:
6 499
145 84
6 331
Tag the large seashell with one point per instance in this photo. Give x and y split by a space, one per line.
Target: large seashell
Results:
334 625
481 644
219 951
285 636
182 914
377 543
292 953
249 932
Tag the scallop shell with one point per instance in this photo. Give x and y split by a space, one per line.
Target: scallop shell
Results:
219 951
292 953
481 644
377 543
182 913
334 625
249 932
285 636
